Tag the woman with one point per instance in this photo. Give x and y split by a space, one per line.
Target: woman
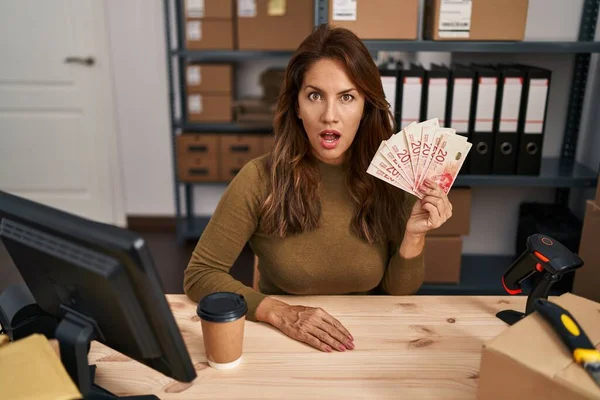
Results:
317 221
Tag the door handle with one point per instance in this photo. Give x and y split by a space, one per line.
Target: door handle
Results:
87 61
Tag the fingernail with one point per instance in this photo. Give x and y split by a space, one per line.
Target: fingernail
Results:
342 348
350 346
328 349
351 338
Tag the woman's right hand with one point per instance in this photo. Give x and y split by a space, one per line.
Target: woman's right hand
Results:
310 325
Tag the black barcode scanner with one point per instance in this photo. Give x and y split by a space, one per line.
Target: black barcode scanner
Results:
545 256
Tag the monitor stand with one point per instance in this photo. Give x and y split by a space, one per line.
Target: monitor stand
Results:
75 332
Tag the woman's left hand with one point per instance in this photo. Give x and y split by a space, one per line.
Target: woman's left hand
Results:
430 212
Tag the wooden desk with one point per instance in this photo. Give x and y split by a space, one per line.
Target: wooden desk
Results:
411 347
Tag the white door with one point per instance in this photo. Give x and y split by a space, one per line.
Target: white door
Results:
58 141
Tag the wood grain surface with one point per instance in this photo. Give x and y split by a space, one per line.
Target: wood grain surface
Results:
411 347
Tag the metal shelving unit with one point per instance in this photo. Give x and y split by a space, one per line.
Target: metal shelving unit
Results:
554 173
480 273
408 46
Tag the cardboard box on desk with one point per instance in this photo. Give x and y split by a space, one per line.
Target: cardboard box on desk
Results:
529 361
477 20
443 256
587 278
274 25
377 19
460 222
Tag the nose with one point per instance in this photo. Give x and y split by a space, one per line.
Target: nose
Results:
330 113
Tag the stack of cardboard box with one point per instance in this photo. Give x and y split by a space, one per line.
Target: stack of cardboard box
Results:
443 246
587 278
217 157
209 25
209 89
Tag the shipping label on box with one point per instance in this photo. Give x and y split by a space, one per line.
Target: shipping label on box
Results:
344 10
194 8
247 8
195 104
276 8
194 75
455 18
194 30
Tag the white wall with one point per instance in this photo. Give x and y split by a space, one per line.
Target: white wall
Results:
138 51
137 42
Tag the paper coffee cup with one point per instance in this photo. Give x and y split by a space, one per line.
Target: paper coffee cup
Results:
223 315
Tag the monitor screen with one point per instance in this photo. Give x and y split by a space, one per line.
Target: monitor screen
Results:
94 276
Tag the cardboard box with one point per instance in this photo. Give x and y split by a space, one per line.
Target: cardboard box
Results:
209 78
529 361
487 20
198 157
235 151
254 112
209 9
265 27
209 107
443 255
586 282
460 222
209 34
378 19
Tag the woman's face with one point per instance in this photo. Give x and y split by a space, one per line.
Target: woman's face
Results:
330 108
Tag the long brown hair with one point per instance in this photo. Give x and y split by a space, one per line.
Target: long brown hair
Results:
292 205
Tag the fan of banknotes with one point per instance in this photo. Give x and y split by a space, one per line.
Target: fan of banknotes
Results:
420 151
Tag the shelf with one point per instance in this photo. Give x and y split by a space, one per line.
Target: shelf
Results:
222 128
554 173
229 55
482 47
480 275
406 46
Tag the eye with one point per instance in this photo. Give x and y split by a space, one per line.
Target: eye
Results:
346 98
314 96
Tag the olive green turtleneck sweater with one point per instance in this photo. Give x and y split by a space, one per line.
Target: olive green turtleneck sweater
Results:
329 260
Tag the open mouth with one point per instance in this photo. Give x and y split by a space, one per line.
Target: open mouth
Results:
330 137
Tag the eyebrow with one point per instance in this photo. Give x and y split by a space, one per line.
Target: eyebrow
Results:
321 90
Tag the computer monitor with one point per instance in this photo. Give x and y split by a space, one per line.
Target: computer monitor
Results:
99 282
